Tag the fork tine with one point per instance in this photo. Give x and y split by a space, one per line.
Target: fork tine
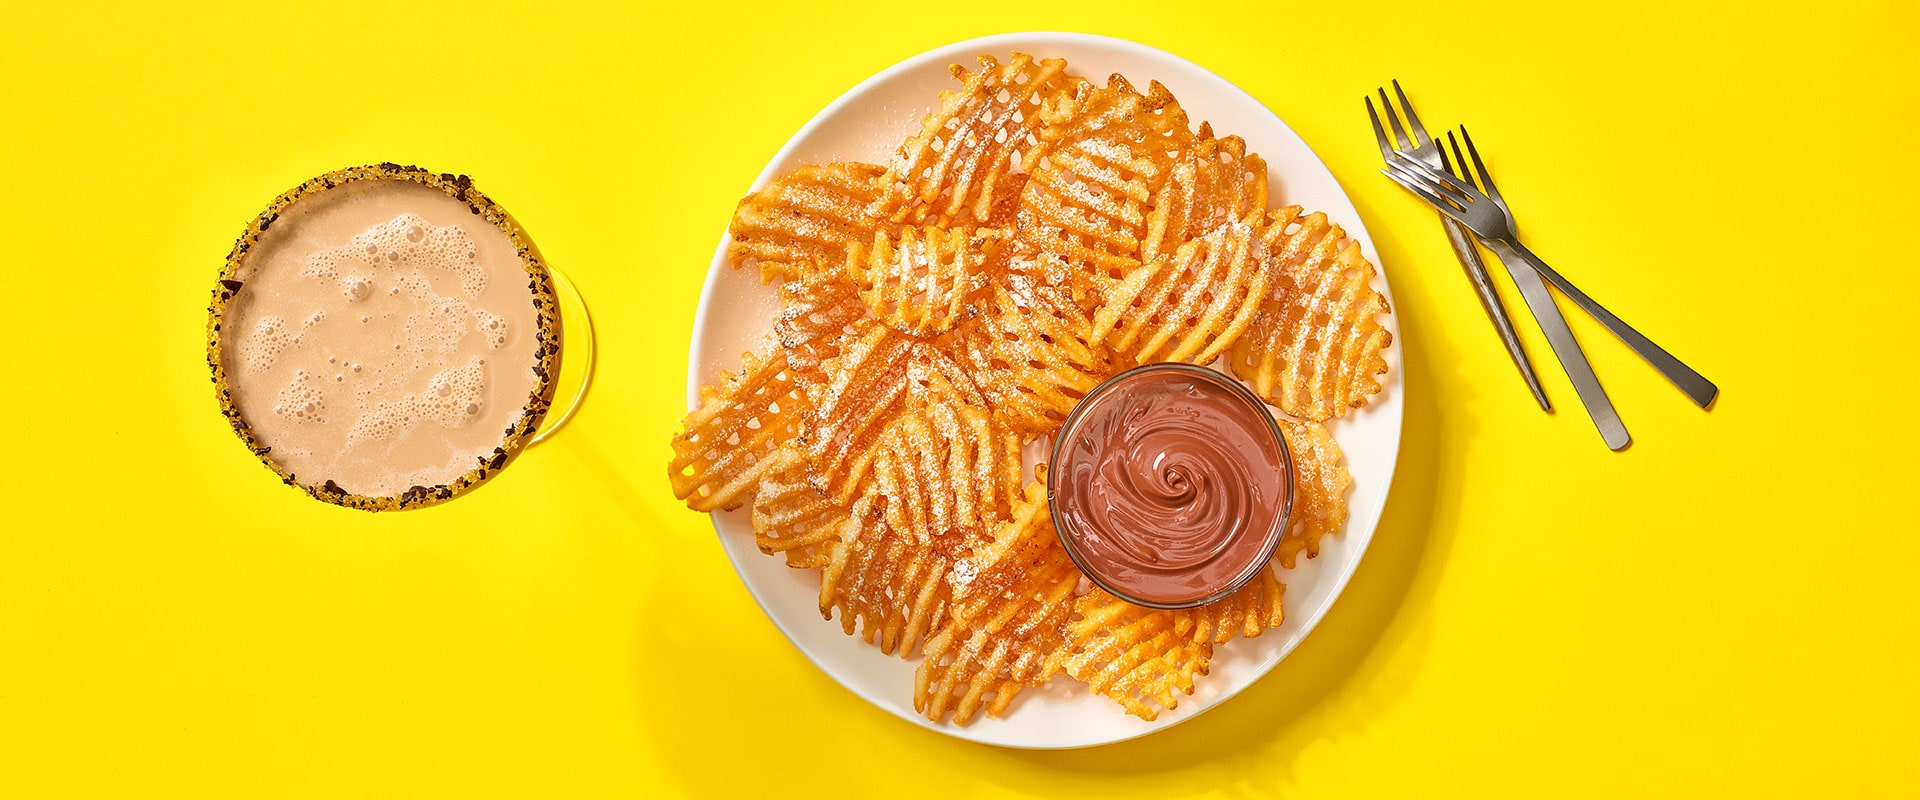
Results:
1457 158
1425 194
1425 179
1413 120
1451 183
1404 140
1379 133
1486 180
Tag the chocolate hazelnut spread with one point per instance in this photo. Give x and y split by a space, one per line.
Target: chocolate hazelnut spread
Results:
1171 485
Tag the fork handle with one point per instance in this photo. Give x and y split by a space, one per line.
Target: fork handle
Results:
1696 387
1566 348
1469 258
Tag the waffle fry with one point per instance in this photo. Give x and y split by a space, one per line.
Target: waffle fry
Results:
1004 211
935 370
792 518
864 388
805 221
1007 628
954 167
1320 484
1029 349
887 584
947 469
1143 658
817 312
1193 306
1103 155
1140 657
1248 612
923 280
1314 348
1213 182
724 447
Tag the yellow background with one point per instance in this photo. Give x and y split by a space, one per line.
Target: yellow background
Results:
1725 609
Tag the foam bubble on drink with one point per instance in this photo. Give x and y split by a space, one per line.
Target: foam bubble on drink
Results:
357 288
439 325
300 401
380 422
387 338
493 326
409 240
268 339
454 398
454 395
322 265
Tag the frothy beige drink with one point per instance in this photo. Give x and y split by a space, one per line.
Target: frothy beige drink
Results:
384 343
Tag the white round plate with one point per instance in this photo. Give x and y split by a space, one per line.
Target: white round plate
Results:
736 314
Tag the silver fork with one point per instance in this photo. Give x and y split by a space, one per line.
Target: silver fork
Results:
1485 212
1423 147
1547 313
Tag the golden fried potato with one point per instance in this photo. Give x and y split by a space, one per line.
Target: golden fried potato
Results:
864 387
888 584
923 280
1103 154
942 474
1192 306
1138 656
1320 484
956 168
1028 350
939 358
1004 212
946 468
1248 612
867 385
791 517
1314 348
817 311
1214 181
724 447
1144 658
805 220
1007 625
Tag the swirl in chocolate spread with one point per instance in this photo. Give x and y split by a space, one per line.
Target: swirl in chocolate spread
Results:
1169 486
